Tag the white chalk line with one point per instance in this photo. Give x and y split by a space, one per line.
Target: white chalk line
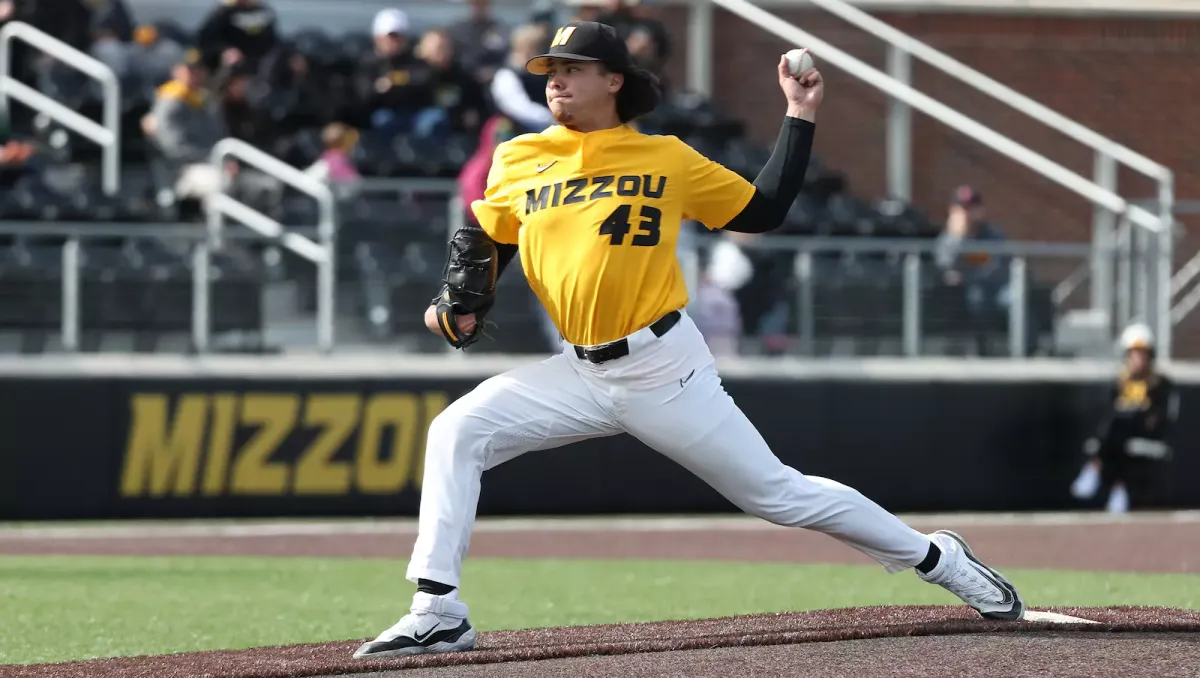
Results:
1055 618
408 526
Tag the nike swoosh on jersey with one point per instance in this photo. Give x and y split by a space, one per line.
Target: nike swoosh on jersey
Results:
685 379
543 168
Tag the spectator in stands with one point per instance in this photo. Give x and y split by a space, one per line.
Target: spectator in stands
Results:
472 179
758 280
238 30
67 20
545 13
456 95
113 17
389 82
242 120
15 158
645 36
335 167
299 95
983 278
715 308
472 183
184 124
517 93
153 55
392 41
113 52
481 41
112 33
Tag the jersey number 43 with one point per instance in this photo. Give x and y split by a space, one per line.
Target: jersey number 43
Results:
617 225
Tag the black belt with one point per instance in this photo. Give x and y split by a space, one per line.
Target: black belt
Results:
620 348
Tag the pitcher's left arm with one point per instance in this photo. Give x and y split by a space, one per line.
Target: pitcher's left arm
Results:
478 255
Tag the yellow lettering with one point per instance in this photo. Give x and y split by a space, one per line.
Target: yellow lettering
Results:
276 416
162 458
220 443
1134 394
562 36
335 416
433 404
376 475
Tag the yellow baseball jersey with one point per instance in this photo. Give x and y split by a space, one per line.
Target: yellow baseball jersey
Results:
596 217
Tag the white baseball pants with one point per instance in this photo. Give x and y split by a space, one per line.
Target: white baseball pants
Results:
667 394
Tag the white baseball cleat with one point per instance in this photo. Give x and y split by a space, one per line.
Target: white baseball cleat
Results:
1086 483
1118 500
434 624
978 585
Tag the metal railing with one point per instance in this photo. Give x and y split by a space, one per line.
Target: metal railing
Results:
1099 191
912 336
74 234
108 135
1187 273
915 255
1106 152
221 205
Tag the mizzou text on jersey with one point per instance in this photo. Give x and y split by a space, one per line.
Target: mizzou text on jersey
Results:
596 218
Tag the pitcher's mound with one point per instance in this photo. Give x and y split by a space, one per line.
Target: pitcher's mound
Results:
874 641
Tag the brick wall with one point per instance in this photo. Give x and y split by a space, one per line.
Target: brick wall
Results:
1130 79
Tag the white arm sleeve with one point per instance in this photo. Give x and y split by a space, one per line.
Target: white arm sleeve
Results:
512 100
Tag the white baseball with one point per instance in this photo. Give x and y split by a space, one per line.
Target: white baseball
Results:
798 61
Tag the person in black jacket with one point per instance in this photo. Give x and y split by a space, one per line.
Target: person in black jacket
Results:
481 41
238 30
645 36
387 81
1126 455
67 20
454 89
243 119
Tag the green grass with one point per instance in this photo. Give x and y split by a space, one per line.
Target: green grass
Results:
61 608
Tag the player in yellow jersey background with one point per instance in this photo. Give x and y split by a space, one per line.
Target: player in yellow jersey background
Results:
594 207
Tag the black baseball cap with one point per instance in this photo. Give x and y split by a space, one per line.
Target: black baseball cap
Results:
584 41
592 41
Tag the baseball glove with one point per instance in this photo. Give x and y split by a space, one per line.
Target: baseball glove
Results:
470 285
448 311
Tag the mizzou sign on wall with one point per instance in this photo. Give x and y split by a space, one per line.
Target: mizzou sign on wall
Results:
210 446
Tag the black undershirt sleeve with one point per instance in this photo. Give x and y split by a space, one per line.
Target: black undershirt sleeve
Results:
780 180
504 254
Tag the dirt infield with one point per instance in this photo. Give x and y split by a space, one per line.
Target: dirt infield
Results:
859 642
879 641
1119 546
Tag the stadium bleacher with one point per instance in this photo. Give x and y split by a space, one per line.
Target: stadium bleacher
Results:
390 247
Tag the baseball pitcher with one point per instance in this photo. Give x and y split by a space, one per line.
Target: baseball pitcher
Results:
594 209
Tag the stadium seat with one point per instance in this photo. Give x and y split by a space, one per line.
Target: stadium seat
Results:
901 219
354 48
316 46
391 248
847 216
